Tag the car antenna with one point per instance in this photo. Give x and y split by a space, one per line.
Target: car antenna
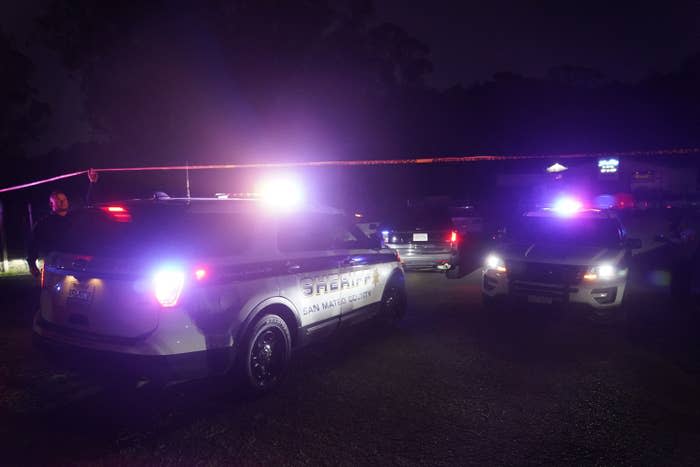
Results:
187 179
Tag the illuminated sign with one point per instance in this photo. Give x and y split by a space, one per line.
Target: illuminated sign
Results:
608 166
555 168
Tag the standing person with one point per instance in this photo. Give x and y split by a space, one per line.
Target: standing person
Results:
47 231
93 175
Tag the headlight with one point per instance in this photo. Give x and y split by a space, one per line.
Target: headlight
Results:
495 263
604 272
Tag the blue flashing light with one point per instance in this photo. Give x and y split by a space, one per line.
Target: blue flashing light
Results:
567 206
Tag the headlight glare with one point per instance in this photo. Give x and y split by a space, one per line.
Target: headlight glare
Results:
604 272
494 262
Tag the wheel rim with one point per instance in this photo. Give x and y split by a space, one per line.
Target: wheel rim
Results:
267 357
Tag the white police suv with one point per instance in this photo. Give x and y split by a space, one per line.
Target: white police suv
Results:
191 287
562 255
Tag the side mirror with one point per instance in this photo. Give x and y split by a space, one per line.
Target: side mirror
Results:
634 243
498 234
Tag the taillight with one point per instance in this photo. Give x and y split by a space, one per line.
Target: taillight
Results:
42 276
453 236
200 274
117 213
167 285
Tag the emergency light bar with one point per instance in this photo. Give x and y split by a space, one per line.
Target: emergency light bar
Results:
567 206
281 193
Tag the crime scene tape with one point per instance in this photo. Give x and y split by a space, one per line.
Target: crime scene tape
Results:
372 162
47 180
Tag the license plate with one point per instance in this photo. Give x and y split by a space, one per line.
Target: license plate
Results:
539 299
420 237
81 293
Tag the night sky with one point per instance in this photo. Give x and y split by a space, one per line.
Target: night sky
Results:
469 41
623 39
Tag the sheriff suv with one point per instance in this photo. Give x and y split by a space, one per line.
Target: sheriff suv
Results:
203 286
564 256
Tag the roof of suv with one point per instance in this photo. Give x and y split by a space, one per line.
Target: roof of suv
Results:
581 214
226 205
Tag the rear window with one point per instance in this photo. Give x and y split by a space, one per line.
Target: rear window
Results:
166 230
420 218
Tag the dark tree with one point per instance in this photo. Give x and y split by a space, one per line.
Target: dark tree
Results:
22 116
236 80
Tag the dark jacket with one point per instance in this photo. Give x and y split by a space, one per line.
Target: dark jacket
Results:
45 236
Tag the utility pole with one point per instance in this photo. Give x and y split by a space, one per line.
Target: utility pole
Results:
3 239
31 218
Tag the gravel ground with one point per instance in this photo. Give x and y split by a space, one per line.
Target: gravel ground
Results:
452 385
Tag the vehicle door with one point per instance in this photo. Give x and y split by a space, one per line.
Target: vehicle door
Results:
363 270
310 272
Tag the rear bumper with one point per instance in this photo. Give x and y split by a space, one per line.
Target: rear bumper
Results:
598 295
431 261
127 357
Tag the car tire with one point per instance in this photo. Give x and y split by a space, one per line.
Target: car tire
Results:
394 303
265 353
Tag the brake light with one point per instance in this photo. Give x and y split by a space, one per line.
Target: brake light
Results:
200 274
167 285
453 236
117 213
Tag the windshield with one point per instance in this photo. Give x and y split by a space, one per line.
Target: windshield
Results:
423 218
599 232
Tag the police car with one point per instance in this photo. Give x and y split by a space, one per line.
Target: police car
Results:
192 287
565 254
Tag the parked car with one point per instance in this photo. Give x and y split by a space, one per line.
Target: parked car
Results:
424 236
184 288
553 257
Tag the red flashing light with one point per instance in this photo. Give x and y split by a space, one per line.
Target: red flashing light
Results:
117 213
200 273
